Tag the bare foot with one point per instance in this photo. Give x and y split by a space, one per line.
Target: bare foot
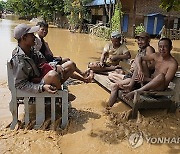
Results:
90 77
86 73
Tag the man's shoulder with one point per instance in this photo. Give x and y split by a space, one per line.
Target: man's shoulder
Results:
173 61
150 49
14 52
108 46
123 46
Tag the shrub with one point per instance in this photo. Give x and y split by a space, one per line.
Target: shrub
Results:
139 29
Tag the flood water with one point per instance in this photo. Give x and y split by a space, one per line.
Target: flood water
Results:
80 48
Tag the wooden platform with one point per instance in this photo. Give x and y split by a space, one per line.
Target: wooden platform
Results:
166 99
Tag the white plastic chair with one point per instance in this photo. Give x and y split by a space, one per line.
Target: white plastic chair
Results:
39 101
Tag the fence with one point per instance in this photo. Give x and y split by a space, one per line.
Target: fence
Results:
173 34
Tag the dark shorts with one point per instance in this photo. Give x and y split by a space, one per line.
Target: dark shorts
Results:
128 75
138 85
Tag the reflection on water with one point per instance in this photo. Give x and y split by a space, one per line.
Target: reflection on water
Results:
7 44
81 48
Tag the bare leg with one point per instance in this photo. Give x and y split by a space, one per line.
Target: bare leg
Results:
69 71
65 60
79 71
129 87
103 69
78 77
52 78
115 77
113 95
124 82
69 68
97 68
81 75
114 90
158 83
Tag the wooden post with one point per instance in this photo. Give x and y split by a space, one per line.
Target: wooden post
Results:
134 18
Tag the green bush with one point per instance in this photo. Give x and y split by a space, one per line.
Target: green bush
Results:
116 19
139 29
103 32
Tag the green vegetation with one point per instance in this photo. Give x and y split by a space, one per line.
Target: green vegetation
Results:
33 8
116 18
139 29
170 5
103 32
115 24
2 5
76 11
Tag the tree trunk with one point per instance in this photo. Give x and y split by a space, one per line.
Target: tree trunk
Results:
110 13
134 18
168 25
119 5
106 8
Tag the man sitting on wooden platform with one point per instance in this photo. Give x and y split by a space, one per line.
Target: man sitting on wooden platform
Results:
112 54
123 81
165 69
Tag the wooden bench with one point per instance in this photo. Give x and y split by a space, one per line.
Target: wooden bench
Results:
39 102
168 99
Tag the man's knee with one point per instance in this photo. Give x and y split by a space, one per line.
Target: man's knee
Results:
114 87
70 65
52 75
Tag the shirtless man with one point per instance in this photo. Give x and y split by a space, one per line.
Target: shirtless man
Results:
122 81
112 54
165 68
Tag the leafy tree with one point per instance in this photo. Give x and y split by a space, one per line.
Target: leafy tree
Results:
76 11
140 28
170 5
34 8
2 5
116 18
24 8
47 8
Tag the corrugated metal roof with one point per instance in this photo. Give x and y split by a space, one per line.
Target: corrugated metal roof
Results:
154 14
100 2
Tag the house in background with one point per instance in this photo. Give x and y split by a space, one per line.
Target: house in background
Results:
149 14
98 12
136 12
153 23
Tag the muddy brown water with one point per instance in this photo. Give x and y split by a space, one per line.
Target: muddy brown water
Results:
89 126
81 48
